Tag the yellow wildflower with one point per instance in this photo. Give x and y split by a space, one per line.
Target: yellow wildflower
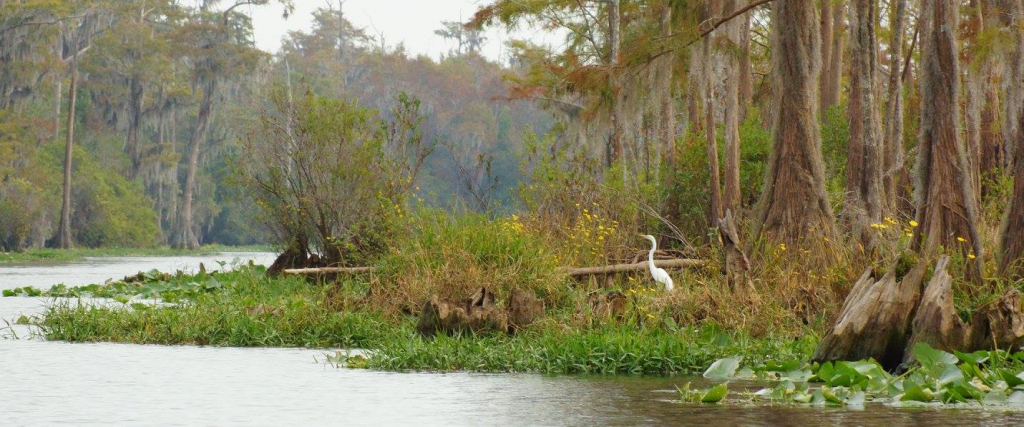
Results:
913 223
961 239
971 256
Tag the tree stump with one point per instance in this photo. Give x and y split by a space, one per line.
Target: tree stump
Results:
736 262
524 308
936 321
875 319
884 319
476 314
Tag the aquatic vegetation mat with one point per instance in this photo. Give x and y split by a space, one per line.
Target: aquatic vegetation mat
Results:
983 378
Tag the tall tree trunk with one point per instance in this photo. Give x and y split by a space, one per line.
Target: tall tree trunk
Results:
134 121
944 195
733 81
710 59
894 151
64 240
1012 238
667 119
794 206
864 155
57 95
832 74
186 238
617 148
975 82
1013 82
746 90
828 8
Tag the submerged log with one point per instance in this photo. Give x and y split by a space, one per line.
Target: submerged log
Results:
638 266
875 319
736 263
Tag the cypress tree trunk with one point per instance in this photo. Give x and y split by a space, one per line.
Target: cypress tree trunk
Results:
715 195
944 195
617 149
894 152
733 72
1012 239
134 121
863 165
833 69
185 237
64 240
794 207
667 112
1013 82
746 95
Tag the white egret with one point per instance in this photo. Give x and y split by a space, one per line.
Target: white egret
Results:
659 274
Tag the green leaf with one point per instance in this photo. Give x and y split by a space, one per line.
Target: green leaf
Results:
1011 379
951 374
715 394
917 393
929 356
856 399
723 369
975 358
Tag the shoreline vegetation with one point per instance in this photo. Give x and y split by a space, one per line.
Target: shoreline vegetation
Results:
48 255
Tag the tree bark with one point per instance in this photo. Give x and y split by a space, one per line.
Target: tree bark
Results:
733 81
864 155
1011 11
746 91
667 125
710 59
1012 236
832 76
794 207
185 236
134 121
617 148
944 195
895 174
64 239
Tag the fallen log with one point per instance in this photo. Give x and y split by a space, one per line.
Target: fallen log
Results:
622 268
329 270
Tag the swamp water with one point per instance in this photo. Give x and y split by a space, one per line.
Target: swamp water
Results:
48 382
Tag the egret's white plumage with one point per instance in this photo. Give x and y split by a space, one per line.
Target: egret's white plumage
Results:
659 274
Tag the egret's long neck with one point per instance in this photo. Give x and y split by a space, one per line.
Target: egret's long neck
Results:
650 255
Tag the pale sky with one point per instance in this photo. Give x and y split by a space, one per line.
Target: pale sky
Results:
409 21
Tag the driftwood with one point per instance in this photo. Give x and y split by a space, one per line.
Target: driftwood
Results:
329 270
638 266
736 263
884 318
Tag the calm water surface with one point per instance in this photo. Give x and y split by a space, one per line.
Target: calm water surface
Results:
43 382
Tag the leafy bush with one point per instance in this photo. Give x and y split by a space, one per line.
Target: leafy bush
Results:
330 176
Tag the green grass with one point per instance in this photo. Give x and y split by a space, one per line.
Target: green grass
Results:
64 255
